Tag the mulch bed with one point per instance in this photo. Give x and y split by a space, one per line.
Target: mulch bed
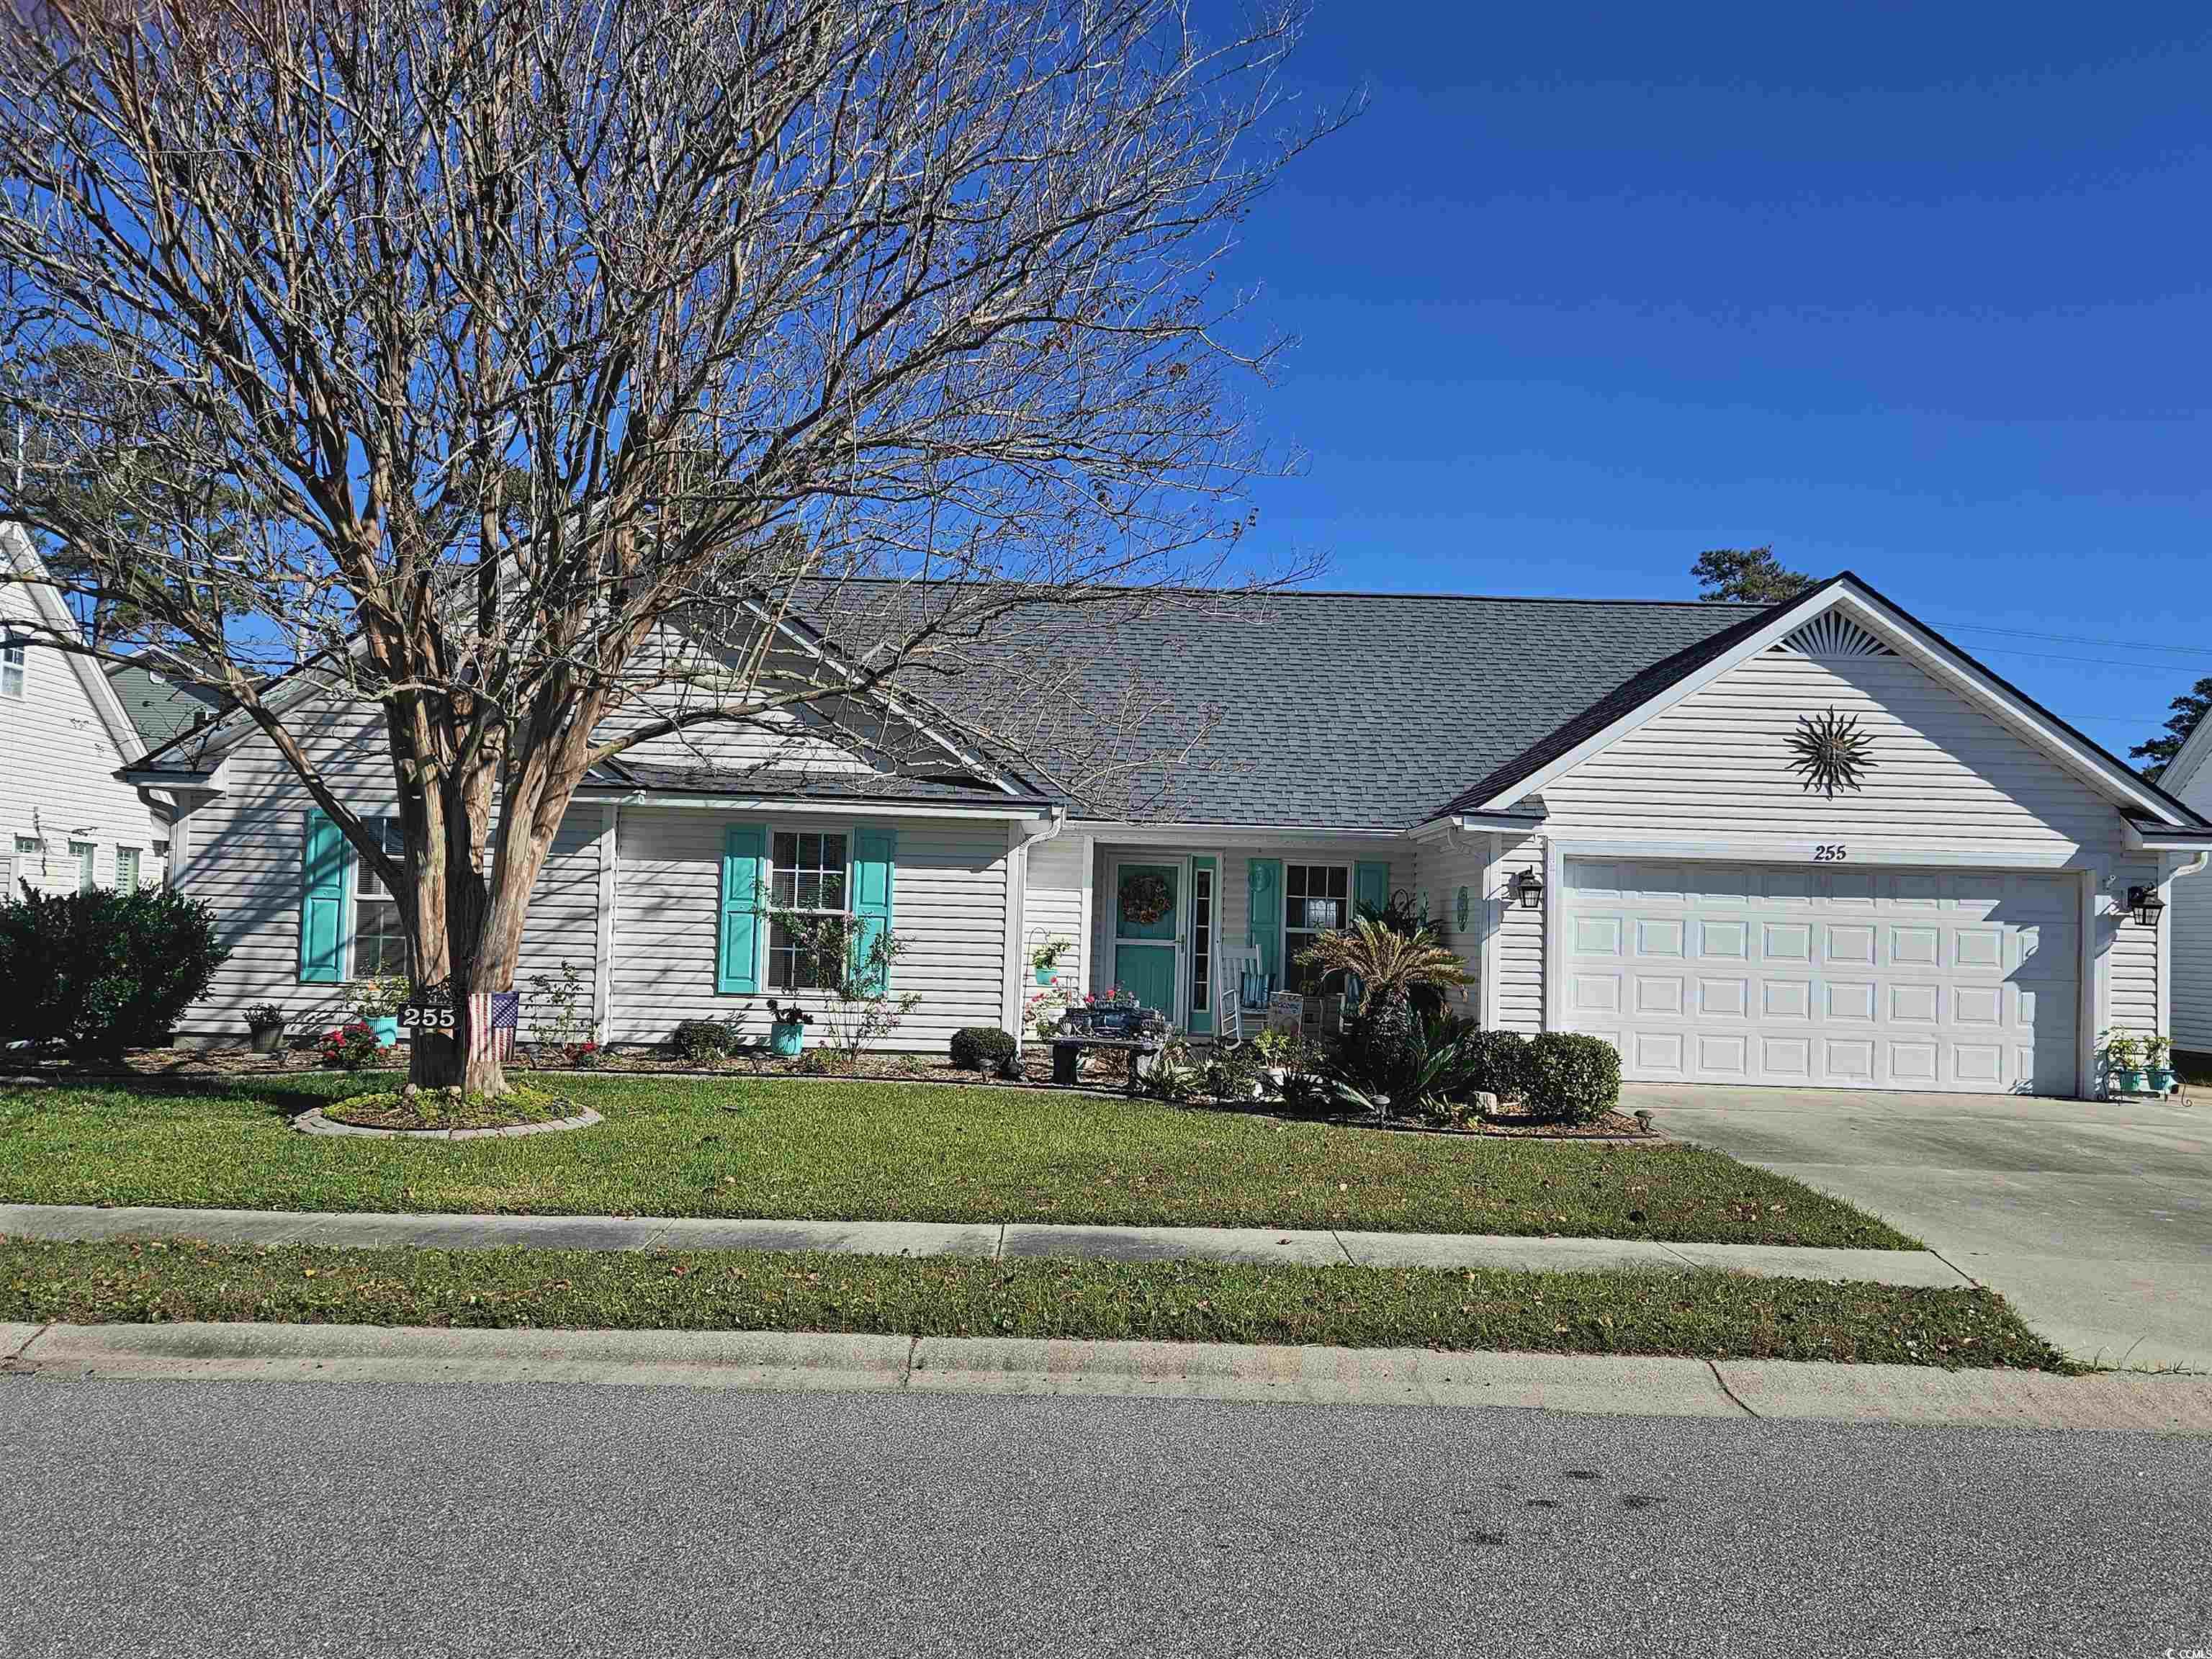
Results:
1104 1071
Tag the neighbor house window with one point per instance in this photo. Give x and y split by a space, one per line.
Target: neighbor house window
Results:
11 668
126 868
86 856
807 875
379 938
1316 899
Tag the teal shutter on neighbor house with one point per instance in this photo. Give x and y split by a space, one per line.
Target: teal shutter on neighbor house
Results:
326 869
1263 927
875 852
737 943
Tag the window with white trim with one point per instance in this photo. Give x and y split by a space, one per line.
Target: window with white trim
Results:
12 668
1201 939
126 869
86 856
380 937
808 875
1316 899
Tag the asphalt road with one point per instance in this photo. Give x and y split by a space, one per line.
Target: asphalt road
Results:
245 1519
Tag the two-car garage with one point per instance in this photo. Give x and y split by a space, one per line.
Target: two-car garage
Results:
1827 975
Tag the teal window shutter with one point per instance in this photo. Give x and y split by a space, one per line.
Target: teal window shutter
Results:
1370 887
326 873
1263 926
875 855
737 942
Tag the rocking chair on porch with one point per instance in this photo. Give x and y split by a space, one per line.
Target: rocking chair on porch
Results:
1245 985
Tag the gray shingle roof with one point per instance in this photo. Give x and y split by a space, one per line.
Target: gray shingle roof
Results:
159 707
771 781
1321 709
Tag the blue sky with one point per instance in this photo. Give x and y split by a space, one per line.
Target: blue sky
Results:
1917 291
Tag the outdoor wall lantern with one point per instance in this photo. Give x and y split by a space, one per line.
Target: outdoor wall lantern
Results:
1530 886
2146 905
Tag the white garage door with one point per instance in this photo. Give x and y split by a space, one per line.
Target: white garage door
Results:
1817 977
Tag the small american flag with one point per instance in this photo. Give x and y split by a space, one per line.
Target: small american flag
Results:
492 1018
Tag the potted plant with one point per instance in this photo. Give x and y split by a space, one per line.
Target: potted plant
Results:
265 1023
2123 1053
1045 959
787 1027
377 1003
2157 1061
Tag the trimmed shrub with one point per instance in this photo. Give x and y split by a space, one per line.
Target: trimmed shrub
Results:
983 1048
1571 1077
103 971
1497 1063
1383 1045
701 1040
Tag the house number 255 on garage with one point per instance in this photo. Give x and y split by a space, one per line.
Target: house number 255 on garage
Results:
1830 852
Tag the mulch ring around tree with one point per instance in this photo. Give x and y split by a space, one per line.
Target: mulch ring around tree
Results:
447 1114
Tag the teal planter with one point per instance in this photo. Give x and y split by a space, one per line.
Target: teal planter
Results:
785 1040
2161 1079
2131 1083
1045 976
386 1030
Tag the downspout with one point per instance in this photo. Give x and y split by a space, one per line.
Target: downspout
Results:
2194 866
1018 884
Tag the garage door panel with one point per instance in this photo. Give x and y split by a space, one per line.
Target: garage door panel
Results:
1723 941
1881 978
1786 998
1850 942
1915 945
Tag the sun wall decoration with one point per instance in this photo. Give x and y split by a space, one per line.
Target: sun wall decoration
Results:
1832 752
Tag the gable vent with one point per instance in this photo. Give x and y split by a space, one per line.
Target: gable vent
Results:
1829 634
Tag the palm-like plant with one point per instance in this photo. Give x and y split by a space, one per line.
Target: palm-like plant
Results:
1388 964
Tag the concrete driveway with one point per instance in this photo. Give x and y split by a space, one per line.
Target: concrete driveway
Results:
2093 1218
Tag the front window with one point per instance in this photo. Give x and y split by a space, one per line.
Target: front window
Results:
11 668
806 878
87 858
380 938
1316 899
126 868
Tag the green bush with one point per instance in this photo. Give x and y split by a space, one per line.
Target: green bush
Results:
1383 1048
1497 1063
103 971
703 1040
982 1048
1571 1077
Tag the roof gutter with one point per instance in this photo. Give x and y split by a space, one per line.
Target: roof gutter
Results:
627 795
1519 823
2166 839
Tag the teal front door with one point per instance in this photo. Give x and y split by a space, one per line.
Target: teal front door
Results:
1147 912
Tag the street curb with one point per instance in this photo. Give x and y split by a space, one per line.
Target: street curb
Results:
761 1361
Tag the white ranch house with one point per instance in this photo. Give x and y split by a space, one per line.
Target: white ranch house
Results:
1614 812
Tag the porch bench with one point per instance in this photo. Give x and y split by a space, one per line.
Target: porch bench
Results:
1067 1050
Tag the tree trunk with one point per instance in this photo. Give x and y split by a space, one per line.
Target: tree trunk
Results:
467 1056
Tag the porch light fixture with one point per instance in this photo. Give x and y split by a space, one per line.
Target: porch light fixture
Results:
2146 905
1530 886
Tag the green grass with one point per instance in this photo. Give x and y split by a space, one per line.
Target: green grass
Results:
893 1151
1702 1314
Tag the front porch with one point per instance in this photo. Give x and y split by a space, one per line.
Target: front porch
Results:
1207 931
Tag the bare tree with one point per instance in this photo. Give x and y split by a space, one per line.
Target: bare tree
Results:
516 330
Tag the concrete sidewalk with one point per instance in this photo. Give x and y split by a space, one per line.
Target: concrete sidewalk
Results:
993 1241
775 1361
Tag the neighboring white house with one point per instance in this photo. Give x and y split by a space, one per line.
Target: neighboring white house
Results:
67 821
1808 844
2189 780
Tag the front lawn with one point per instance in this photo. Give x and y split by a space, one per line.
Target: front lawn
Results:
1708 1316
891 1151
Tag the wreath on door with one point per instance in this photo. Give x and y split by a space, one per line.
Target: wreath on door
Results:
1147 897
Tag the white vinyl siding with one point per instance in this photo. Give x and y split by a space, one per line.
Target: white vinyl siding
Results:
1052 908
60 758
948 892
1943 773
1439 873
2189 920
